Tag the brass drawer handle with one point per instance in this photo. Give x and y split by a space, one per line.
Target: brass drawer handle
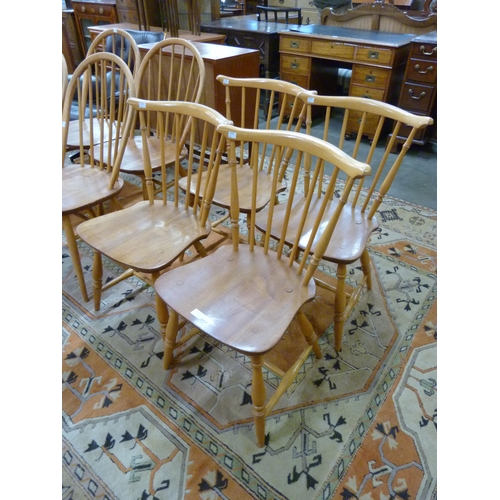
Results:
294 45
373 54
294 65
422 94
370 78
422 49
101 10
429 68
83 8
367 96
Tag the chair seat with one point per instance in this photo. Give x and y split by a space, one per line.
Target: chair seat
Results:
144 237
349 239
132 162
243 299
222 196
83 186
74 133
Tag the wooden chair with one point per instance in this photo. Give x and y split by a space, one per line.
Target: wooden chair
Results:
283 110
121 43
64 77
173 70
246 295
149 236
358 221
87 185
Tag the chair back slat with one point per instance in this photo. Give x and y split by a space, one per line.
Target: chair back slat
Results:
311 235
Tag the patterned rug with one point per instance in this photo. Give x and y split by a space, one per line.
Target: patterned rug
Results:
361 424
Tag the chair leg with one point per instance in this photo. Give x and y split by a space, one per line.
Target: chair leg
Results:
75 255
258 400
169 337
366 267
340 305
308 331
97 279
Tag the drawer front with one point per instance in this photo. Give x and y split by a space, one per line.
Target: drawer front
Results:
375 55
420 70
371 77
332 49
300 80
295 65
424 50
294 44
416 97
367 92
95 9
354 121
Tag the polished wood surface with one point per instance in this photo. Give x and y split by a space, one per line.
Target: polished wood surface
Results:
87 185
357 221
247 295
311 55
150 235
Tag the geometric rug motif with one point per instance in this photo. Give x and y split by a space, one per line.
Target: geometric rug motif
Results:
358 424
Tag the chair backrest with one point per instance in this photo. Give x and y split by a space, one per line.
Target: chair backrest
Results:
119 42
308 151
172 70
184 122
389 124
64 77
263 103
114 84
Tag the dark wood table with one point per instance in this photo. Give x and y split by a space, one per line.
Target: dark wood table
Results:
248 32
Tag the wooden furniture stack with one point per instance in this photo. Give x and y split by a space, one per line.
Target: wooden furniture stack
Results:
418 94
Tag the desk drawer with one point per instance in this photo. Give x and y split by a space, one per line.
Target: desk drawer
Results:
332 49
424 50
374 55
295 65
422 71
300 80
295 44
416 97
367 92
371 77
100 9
354 121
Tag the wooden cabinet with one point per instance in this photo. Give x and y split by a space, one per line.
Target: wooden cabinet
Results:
377 60
418 94
91 13
70 41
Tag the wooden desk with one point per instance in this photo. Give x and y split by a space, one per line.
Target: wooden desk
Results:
248 32
310 54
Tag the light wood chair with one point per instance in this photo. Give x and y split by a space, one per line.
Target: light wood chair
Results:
282 110
149 236
87 185
358 221
246 295
173 70
64 77
121 43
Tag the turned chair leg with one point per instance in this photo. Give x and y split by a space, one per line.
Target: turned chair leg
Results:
97 280
75 255
366 267
308 331
340 305
258 400
169 337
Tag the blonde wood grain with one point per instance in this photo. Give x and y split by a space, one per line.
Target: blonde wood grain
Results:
246 295
87 185
357 221
150 235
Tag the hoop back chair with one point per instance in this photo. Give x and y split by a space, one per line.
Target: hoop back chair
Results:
246 295
121 43
64 77
358 221
149 236
282 111
172 70
87 185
